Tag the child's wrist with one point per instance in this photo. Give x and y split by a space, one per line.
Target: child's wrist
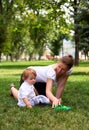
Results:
28 105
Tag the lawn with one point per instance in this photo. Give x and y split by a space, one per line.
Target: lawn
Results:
76 95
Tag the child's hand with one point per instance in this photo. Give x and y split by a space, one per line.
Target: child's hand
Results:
27 102
29 106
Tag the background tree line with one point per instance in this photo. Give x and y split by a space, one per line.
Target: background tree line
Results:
30 25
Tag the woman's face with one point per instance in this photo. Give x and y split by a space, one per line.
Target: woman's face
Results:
61 69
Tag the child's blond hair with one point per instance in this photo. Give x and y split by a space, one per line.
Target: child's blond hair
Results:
27 72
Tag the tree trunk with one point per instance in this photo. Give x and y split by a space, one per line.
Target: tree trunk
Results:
11 57
6 57
88 55
0 57
30 57
76 48
39 58
76 38
1 10
40 52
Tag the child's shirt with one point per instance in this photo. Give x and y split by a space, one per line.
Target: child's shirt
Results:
25 91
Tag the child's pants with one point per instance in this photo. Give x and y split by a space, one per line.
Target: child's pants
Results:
39 99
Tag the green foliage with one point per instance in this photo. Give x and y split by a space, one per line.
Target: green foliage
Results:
83 18
28 26
56 44
17 35
5 17
76 95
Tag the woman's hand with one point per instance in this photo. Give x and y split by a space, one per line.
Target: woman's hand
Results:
56 102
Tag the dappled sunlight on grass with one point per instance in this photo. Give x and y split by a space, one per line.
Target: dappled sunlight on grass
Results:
81 69
10 72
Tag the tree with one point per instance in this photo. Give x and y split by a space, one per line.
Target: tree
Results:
76 37
31 25
48 20
56 44
84 28
38 30
17 42
6 11
73 8
80 16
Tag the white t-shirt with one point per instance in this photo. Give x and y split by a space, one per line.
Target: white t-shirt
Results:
44 72
25 90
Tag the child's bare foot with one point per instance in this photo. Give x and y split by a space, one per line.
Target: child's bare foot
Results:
11 85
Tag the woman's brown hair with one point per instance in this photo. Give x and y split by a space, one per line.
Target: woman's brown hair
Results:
68 60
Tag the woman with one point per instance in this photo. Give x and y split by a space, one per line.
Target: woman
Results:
47 76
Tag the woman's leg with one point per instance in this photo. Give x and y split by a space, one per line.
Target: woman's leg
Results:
41 88
14 92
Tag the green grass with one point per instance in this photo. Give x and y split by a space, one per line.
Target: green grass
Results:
76 95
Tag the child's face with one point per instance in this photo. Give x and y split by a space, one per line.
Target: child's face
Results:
31 79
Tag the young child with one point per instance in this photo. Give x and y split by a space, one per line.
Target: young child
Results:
27 93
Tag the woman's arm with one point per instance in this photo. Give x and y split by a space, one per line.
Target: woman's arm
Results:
61 85
49 93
